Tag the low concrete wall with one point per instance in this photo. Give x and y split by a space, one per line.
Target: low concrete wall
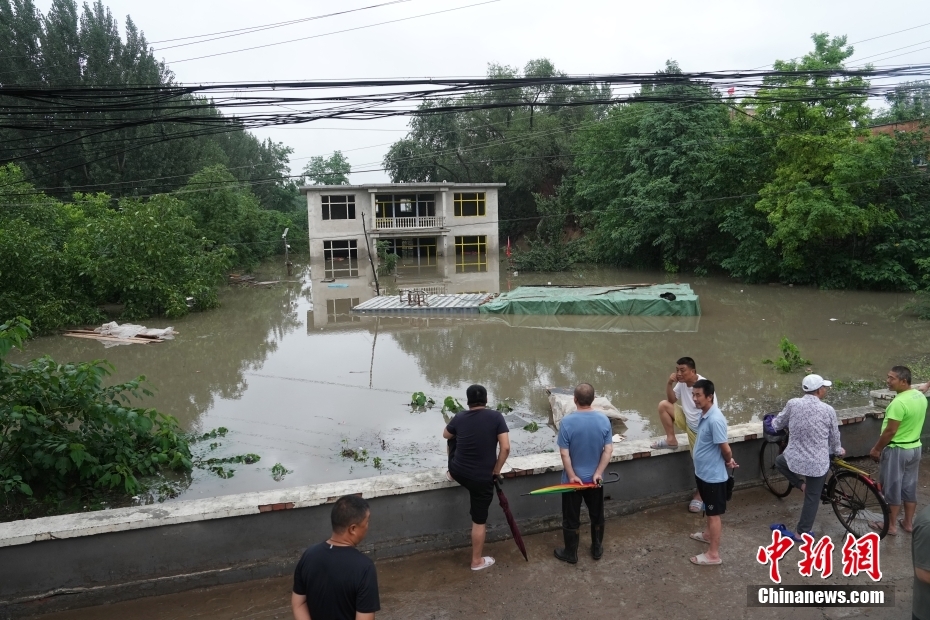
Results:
68 561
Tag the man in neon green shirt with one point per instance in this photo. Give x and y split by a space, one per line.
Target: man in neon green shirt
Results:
898 448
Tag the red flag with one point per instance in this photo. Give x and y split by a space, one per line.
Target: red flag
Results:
508 247
731 90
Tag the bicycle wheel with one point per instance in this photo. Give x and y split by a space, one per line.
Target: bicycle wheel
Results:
777 484
857 501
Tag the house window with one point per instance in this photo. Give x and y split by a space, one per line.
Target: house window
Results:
471 254
413 251
340 310
469 205
405 205
338 207
340 258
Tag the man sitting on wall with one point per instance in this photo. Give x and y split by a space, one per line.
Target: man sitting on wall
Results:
476 461
678 410
334 580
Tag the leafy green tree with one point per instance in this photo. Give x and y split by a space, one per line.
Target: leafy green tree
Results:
820 200
528 147
909 101
150 257
332 170
37 275
138 152
229 214
648 172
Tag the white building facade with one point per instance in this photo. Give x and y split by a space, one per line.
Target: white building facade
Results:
454 224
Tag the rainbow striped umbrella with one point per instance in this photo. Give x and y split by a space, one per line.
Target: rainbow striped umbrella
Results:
571 487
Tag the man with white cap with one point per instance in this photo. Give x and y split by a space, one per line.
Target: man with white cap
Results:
813 435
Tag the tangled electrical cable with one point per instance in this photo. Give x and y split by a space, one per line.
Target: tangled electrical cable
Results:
42 119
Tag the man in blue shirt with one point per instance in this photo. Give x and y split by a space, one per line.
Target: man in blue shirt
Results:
712 455
585 445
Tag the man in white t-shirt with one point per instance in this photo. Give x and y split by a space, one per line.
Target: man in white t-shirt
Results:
679 410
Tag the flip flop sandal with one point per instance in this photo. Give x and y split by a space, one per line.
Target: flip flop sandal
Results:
703 560
699 536
486 562
786 532
695 506
662 444
875 525
901 526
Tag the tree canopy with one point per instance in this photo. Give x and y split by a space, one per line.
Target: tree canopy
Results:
82 47
332 170
788 185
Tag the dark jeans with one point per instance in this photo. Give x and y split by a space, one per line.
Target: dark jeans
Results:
811 493
571 507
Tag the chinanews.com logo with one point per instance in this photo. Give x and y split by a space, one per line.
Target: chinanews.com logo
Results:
858 556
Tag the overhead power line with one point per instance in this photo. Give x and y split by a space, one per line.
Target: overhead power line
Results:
50 118
326 34
225 34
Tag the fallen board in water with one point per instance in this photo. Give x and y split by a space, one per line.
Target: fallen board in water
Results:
562 401
93 336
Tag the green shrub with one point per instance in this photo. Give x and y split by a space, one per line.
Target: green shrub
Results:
790 359
64 434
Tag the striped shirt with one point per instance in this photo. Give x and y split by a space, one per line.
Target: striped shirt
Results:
813 435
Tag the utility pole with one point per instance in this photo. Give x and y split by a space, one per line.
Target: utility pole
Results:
370 261
287 263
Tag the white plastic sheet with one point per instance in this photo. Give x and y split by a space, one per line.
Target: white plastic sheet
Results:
130 330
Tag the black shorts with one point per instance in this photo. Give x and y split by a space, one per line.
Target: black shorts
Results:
481 493
714 496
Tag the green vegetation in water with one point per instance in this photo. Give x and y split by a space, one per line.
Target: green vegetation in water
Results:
920 369
504 406
452 405
359 456
857 386
160 256
278 471
70 442
377 463
213 434
387 261
419 400
531 427
790 359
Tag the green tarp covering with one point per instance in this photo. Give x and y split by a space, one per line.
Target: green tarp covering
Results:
623 300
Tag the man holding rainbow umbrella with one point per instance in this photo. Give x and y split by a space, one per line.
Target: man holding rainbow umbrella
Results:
585 444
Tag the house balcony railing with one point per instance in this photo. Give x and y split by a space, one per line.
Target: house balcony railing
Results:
419 221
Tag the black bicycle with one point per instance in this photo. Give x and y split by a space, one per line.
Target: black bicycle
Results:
856 498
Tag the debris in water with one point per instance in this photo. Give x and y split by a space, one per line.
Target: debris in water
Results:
562 401
113 334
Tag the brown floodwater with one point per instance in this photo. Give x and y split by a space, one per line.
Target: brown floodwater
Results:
298 380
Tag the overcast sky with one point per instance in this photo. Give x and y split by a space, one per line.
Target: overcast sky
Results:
578 36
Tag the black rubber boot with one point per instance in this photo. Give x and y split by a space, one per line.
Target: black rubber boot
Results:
597 541
570 552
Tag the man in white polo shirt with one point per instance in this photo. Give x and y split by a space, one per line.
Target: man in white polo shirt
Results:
678 410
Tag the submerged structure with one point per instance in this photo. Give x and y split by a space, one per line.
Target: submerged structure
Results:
417 221
619 300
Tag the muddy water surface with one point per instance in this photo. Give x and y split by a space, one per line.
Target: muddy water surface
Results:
299 381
